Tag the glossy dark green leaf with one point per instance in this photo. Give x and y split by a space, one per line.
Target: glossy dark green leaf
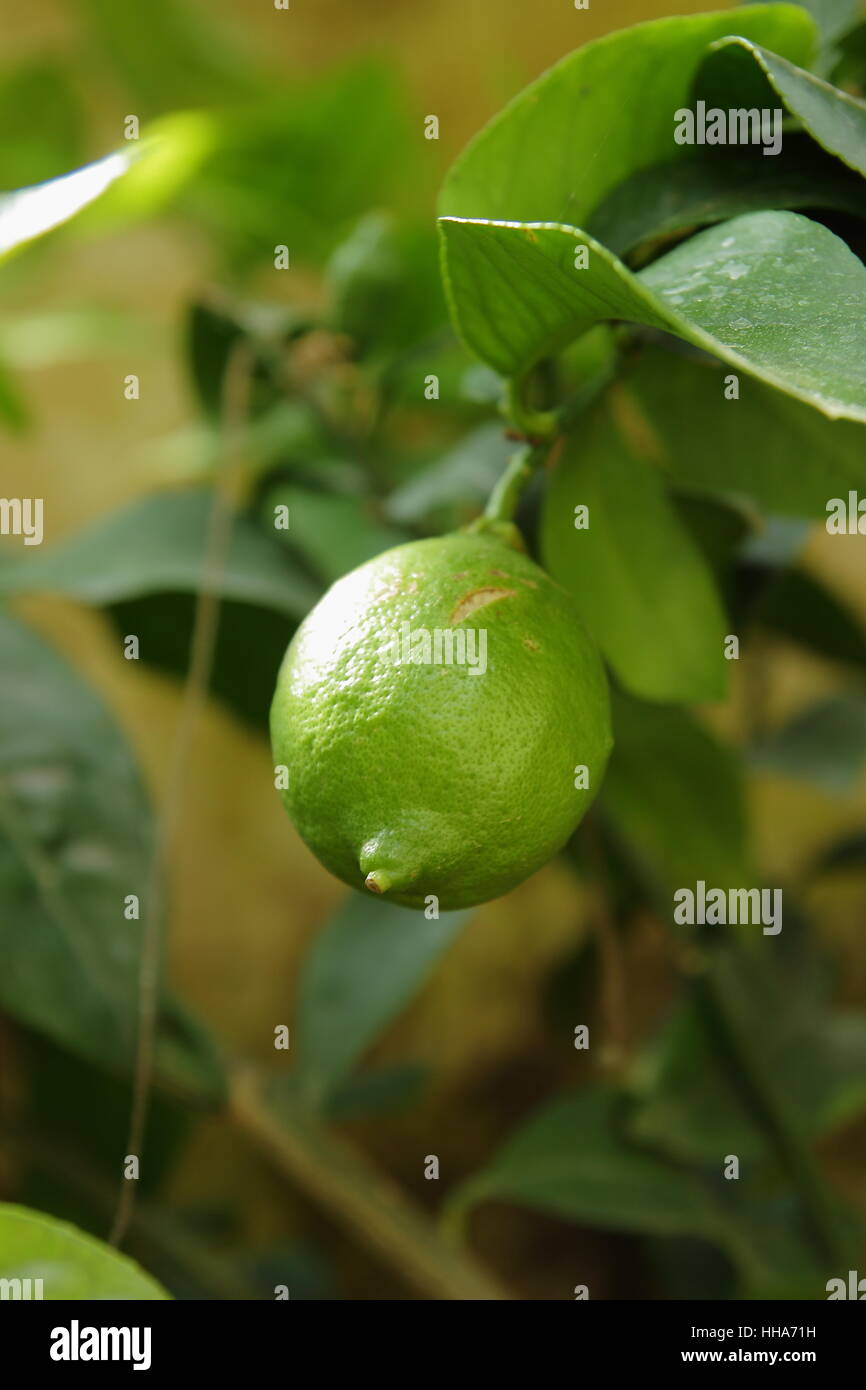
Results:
570 137
706 187
71 1264
774 452
834 119
673 795
360 973
639 581
75 843
772 293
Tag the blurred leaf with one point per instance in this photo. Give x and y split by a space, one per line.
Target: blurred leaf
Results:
689 1103
30 212
673 795
572 1159
173 54
797 606
75 841
779 454
847 853
825 745
332 534
213 331
386 286
40 116
158 546
772 293
32 341
636 576
462 478
360 973
585 103
833 17
251 643
379 1090
252 197
718 526
14 410
71 1264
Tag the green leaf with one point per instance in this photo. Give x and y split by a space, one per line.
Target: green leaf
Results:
30 212
38 103
71 1264
331 534
46 338
461 480
834 17
772 293
825 745
361 972
673 795
572 1160
14 411
174 55
637 578
680 195
385 286
75 841
158 546
764 447
689 1105
250 196
794 605
560 147
836 120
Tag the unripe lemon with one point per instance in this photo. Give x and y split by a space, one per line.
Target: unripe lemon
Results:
444 719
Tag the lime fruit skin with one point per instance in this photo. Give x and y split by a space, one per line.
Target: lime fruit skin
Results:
418 777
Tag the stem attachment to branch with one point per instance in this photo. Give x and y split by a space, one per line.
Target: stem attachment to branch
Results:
505 498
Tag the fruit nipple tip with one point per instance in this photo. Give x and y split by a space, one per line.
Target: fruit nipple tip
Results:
377 881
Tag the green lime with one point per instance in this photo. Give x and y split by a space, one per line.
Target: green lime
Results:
444 719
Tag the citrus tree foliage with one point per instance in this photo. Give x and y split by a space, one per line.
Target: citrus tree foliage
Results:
677 331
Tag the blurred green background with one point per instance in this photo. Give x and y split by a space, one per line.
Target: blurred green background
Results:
492 1027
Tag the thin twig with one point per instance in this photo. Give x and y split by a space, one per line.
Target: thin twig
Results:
352 1190
236 384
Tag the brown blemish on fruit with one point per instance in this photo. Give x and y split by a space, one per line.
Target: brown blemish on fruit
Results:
500 574
464 574
531 644
475 599
530 583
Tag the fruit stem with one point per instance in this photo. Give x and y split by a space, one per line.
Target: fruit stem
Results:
505 497
535 426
